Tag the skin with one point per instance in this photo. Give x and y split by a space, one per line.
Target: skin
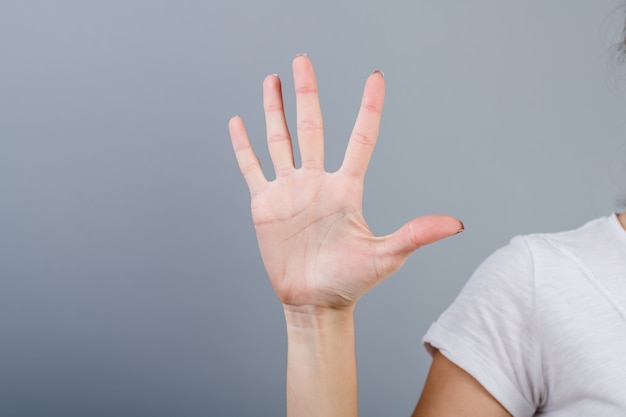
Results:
321 256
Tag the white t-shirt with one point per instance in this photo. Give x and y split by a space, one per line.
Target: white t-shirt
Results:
542 323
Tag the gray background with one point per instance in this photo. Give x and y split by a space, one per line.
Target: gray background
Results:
130 281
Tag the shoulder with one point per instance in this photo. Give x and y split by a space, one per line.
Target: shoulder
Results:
526 254
495 329
601 231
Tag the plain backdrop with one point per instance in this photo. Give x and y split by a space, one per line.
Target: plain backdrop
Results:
130 280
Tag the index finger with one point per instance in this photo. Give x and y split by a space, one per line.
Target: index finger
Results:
365 131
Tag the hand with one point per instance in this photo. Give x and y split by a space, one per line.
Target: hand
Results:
314 241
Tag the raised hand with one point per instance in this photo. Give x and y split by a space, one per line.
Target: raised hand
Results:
314 241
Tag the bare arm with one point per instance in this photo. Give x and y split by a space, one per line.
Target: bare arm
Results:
321 365
317 249
450 391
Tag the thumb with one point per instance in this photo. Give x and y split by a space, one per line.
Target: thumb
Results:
420 232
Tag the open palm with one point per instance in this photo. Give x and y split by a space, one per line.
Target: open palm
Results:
314 241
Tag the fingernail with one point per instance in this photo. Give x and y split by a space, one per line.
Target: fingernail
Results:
301 54
379 72
462 227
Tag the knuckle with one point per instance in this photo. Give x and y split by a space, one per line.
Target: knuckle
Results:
307 125
306 89
363 138
415 236
273 107
371 107
241 147
313 164
248 168
277 138
284 171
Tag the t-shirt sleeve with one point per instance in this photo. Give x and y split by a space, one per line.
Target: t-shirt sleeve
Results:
490 329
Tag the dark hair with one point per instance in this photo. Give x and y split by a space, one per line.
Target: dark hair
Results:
621 46
617 51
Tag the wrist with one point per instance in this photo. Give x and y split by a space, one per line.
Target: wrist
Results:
316 317
308 323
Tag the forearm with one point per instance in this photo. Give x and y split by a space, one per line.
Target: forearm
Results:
321 365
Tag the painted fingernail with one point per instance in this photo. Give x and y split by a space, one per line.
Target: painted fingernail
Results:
379 72
301 54
462 227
